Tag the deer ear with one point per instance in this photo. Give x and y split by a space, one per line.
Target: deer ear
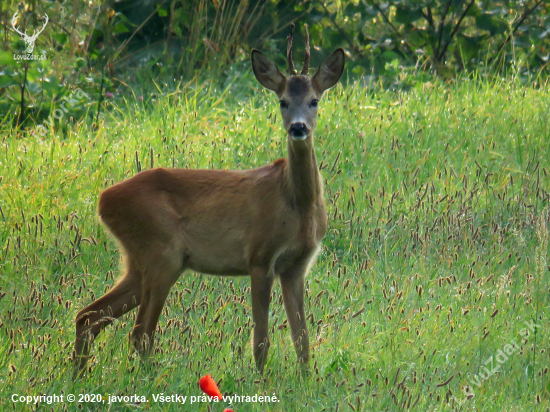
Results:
330 71
267 73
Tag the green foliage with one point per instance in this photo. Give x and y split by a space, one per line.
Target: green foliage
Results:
446 35
31 90
434 260
114 49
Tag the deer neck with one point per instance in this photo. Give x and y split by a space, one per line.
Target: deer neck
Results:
303 174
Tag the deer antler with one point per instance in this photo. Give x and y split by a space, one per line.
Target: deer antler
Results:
305 68
25 35
291 70
14 25
36 32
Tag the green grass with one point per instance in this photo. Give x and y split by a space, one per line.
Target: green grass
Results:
432 262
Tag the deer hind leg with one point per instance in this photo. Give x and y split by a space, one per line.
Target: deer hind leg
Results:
261 285
163 271
91 320
292 286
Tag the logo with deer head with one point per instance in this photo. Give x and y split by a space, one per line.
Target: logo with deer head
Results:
29 40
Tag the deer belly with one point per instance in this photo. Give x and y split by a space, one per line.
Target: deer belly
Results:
218 254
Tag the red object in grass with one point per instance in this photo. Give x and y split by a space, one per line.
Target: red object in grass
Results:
208 386
228 410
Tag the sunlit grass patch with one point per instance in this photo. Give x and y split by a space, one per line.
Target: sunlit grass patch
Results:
432 262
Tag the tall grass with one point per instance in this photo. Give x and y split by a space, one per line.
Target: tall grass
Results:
434 261
216 31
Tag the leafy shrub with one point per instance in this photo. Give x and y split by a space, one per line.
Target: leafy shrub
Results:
114 49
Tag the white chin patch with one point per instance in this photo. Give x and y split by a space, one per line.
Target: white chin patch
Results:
299 138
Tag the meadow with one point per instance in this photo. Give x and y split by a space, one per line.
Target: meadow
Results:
431 291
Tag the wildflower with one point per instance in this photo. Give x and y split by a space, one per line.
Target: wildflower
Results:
208 386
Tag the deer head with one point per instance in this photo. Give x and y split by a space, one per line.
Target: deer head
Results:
29 40
298 95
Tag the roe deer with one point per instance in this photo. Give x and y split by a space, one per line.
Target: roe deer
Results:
266 223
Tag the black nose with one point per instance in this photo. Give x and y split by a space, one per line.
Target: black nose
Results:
298 129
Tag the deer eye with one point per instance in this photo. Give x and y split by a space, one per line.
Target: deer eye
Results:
284 105
314 103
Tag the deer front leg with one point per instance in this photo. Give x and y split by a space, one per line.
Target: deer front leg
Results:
292 285
260 287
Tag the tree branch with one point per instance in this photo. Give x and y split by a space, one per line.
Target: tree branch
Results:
342 32
21 116
387 20
455 30
430 19
442 24
526 13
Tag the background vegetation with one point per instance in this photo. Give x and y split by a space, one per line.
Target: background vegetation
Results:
437 184
116 48
435 258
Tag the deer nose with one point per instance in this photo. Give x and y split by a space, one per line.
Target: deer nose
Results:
298 130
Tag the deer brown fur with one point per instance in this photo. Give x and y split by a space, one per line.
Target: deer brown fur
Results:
265 223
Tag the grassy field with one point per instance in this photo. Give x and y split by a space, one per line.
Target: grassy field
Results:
430 293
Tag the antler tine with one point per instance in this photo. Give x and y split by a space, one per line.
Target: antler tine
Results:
13 20
291 70
47 19
305 68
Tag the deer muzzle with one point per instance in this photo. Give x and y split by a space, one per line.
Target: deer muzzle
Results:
298 131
